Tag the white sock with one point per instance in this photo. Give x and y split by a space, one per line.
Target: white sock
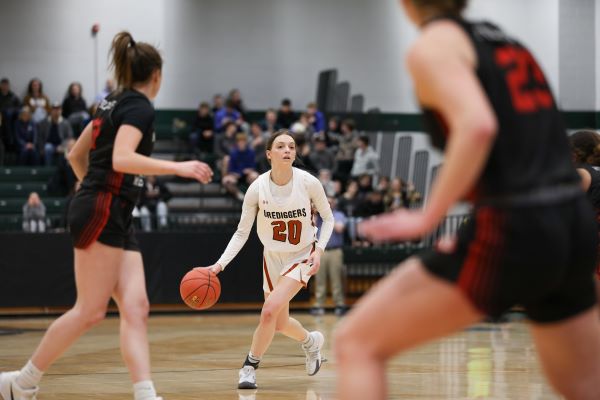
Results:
29 377
144 390
309 341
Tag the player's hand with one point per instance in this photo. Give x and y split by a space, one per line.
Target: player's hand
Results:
216 268
398 225
196 170
315 260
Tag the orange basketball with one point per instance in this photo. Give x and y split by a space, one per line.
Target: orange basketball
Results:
200 288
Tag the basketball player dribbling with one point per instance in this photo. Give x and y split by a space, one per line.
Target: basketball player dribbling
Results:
108 158
531 239
280 199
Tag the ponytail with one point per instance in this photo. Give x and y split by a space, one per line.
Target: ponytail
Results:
133 62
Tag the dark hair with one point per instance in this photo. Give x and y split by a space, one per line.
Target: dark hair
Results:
4 80
364 139
286 102
69 90
585 147
276 134
442 6
133 62
204 104
349 123
30 86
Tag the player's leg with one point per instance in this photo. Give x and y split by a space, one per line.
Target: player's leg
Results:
570 354
407 308
95 278
132 300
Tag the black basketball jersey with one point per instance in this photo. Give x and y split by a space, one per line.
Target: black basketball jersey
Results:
128 107
531 150
593 192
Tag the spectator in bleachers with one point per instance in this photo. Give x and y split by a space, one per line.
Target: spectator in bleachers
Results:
350 199
53 133
303 128
226 115
63 181
74 108
37 101
328 184
365 184
383 184
303 151
238 104
225 142
217 103
202 135
332 133
109 87
332 265
366 159
258 143
347 146
315 118
153 201
26 136
10 104
34 214
269 125
321 156
286 116
400 195
241 167
370 205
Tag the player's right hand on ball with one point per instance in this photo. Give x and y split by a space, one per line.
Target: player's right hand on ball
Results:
216 268
196 170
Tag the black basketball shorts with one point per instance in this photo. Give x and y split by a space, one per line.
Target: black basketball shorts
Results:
542 258
101 216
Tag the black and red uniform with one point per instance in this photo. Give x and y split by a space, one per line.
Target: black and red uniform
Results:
101 209
593 194
531 239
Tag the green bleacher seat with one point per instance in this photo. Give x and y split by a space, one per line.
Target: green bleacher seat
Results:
26 174
22 190
54 205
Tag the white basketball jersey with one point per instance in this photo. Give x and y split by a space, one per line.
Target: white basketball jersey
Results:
287 225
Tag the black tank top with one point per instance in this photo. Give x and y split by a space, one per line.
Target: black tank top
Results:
593 192
531 150
128 107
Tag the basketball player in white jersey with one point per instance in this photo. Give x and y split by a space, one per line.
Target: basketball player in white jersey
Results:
281 200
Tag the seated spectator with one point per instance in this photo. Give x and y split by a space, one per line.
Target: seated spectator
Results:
153 200
303 128
74 108
383 185
37 101
241 166
303 151
286 116
109 87
258 143
329 185
34 214
315 118
366 159
26 136
202 135
53 133
321 157
238 104
10 105
349 200
365 184
346 148
226 115
371 204
269 125
217 103
224 145
400 195
63 182
332 134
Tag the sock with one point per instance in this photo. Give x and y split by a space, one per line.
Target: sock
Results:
309 341
252 360
144 390
29 377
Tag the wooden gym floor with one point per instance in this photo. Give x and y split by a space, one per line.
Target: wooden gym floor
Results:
197 356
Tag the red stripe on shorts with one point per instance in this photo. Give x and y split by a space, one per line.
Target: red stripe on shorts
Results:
98 221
